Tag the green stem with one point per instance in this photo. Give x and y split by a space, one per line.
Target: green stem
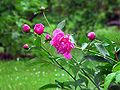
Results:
47 20
61 67
87 75
89 45
51 55
90 79
87 50
65 70
97 53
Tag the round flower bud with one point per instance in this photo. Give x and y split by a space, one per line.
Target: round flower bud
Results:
26 28
91 35
25 46
48 37
38 29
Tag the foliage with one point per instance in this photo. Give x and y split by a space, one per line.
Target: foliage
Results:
94 65
113 77
81 74
83 16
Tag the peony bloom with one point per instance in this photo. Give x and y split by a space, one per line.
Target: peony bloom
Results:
26 28
62 43
91 35
48 37
38 29
25 46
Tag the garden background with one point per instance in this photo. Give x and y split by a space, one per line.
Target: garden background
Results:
29 70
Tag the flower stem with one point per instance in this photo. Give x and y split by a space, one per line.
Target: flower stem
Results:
90 79
61 67
87 75
97 53
65 70
47 20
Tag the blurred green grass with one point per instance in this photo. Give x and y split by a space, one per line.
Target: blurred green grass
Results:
23 75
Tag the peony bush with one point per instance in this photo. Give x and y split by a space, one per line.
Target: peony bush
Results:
103 74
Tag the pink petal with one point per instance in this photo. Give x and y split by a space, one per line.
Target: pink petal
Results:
67 55
57 31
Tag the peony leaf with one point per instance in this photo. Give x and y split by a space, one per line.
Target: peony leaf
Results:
101 49
108 80
48 86
96 58
72 39
61 24
117 78
84 46
116 67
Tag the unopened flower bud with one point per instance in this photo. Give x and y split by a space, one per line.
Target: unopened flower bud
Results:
25 46
91 35
38 29
48 37
26 28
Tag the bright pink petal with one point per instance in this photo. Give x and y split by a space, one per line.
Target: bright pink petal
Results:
67 55
57 31
62 43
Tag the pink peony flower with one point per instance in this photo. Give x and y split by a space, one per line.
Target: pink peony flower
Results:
48 37
38 29
25 46
26 28
91 35
62 43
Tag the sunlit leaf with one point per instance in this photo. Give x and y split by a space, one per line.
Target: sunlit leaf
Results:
116 67
84 45
101 49
72 39
61 24
117 78
108 80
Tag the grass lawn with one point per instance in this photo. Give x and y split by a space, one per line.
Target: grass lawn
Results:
24 75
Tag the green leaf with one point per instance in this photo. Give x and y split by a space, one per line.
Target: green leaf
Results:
37 42
116 67
117 78
78 82
101 49
96 58
72 39
108 80
83 78
84 46
48 86
64 85
61 24
105 69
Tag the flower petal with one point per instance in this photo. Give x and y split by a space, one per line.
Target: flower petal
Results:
67 55
57 31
